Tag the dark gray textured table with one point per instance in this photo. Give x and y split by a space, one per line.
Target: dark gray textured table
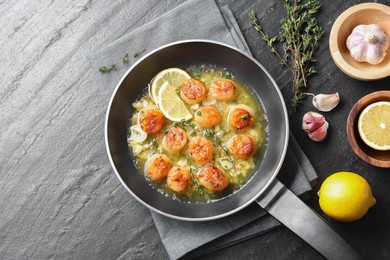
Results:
59 197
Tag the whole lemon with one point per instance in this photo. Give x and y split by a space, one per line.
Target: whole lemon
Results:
345 196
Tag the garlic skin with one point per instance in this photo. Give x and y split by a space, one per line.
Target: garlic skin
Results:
320 133
315 125
312 121
326 102
368 43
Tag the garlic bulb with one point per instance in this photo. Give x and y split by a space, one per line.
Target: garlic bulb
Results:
368 43
315 125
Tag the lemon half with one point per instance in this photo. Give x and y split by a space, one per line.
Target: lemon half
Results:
171 105
174 76
374 125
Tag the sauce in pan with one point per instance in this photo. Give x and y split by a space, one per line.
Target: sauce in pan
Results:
210 153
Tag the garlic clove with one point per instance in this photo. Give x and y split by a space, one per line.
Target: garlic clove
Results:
311 121
320 133
226 163
368 43
137 134
315 125
326 102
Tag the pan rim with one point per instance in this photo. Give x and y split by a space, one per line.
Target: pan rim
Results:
261 191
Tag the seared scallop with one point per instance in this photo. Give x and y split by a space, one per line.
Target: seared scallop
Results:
192 91
158 167
212 178
241 117
178 178
151 120
208 117
241 146
201 150
175 140
223 90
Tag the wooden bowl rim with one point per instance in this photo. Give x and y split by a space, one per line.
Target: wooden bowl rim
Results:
338 57
352 117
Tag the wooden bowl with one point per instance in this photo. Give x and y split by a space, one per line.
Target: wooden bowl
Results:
366 153
367 13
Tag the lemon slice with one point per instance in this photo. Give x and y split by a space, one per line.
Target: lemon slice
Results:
374 125
171 104
174 76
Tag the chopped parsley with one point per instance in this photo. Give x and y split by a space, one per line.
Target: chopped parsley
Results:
208 133
184 122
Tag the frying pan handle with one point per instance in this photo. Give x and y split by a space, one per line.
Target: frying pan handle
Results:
285 206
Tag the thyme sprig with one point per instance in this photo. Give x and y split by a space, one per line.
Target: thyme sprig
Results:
298 40
217 141
199 188
125 59
208 133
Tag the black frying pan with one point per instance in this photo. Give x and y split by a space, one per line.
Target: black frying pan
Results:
263 187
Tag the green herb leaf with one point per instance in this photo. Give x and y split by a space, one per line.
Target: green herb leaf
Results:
106 68
200 189
184 122
299 37
217 140
125 59
103 69
208 133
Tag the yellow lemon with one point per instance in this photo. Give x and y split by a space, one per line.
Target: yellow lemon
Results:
345 196
174 76
171 105
374 125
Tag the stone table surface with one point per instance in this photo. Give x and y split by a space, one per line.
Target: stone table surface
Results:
59 197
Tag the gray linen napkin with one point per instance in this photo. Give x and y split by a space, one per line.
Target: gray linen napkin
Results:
191 239
200 19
